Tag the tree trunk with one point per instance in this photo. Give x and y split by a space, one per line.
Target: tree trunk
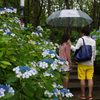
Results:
4 3
28 11
40 12
49 6
79 5
67 23
52 34
67 4
93 17
35 13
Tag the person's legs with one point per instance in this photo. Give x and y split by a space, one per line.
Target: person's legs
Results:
81 77
90 80
82 85
90 86
66 81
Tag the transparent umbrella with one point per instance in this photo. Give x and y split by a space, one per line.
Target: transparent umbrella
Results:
69 17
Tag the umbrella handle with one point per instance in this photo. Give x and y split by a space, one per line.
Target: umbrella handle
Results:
71 22
69 26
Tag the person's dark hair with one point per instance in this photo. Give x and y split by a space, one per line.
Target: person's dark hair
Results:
65 38
86 31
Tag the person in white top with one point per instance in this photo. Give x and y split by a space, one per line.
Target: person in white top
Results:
86 68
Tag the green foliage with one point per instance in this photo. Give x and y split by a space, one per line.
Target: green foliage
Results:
97 34
20 48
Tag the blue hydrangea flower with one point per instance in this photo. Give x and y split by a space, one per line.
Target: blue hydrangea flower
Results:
51 51
96 51
64 91
62 69
24 68
50 61
2 9
74 44
4 29
9 33
24 71
61 59
50 70
55 99
98 31
99 35
94 37
54 90
37 31
10 8
6 88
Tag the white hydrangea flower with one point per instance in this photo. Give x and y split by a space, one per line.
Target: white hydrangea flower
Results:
33 32
11 90
1 29
48 74
12 34
48 93
41 48
33 71
61 86
7 30
45 53
54 47
2 90
66 62
54 66
4 33
43 65
57 56
41 34
37 34
40 28
69 95
60 62
54 85
4 25
45 42
19 74
51 43
52 55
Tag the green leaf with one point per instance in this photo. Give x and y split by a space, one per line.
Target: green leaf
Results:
1 53
12 58
48 86
11 79
16 96
39 92
5 39
3 66
7 95
5 62
28 36
28 90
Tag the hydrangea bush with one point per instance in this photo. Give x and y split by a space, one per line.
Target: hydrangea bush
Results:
28 62
96 36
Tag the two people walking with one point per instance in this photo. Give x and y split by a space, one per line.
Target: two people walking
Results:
86 68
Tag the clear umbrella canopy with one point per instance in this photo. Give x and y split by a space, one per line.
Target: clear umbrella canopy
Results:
69 17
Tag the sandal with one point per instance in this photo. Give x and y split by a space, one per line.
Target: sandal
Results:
82 96
90 98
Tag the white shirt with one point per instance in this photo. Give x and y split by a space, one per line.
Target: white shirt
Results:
88 41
